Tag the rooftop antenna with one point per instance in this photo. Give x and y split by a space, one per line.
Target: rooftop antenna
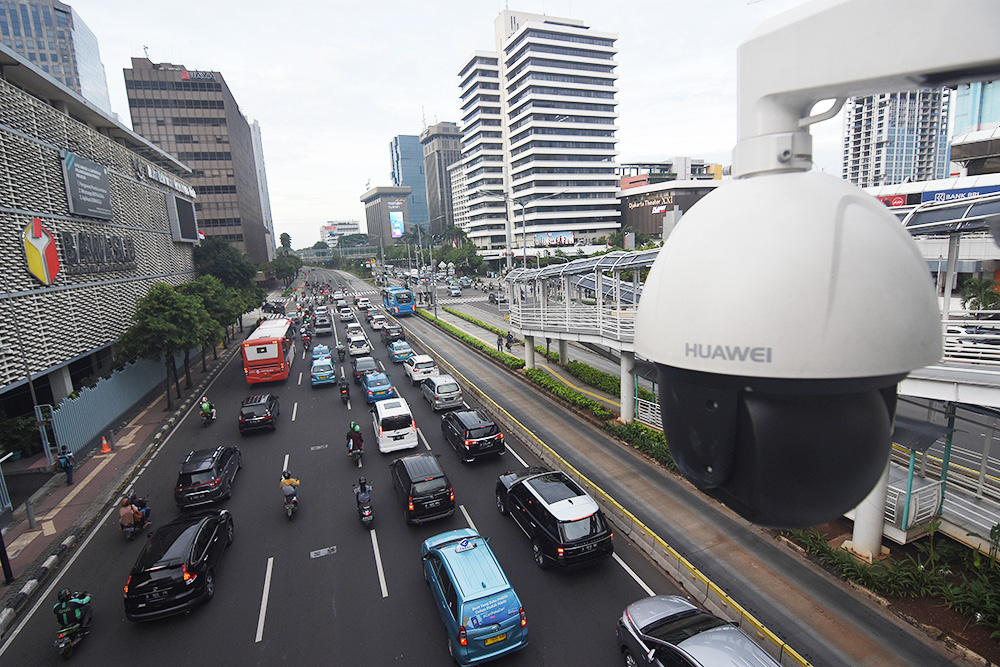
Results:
145 49
423 116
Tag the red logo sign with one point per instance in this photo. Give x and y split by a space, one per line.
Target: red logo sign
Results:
40 252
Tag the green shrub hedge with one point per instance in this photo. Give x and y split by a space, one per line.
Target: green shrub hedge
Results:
606 382
572 396
649 441
508 360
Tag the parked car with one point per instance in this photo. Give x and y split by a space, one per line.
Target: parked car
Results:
667 630
420 366
207 475
378 321
176 569
377 387
392 332
358 345
346 314
259 411
564 524
425 490
482 615
393 424
441 391
322 372
400 351
472 434
361 366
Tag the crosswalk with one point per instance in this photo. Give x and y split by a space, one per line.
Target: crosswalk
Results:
463 299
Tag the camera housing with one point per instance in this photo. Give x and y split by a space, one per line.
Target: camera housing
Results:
778 371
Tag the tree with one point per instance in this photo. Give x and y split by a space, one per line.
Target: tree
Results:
321 245
980 294
219 258
219 302
286 242
352 240
165 322
284 267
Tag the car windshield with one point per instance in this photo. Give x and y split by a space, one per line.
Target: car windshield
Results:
359 342
170 543
429 486
396 422
366 364
448 388
322 368
483 431
376 382
677 628
582 528
424 364
254 410
193 478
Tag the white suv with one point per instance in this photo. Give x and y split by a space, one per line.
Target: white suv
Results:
420 366
357 346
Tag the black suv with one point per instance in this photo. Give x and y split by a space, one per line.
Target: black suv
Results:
362 366
391 333
207 475
427 494
472 433
176 569
565 525
259 411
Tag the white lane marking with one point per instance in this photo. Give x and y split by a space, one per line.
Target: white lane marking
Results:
426 444
469 519
514 454
649 591
263 599
378 564
300 377
284 466
295 410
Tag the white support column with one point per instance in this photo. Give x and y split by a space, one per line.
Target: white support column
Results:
61 383
949 282
869 521
563 351
627 387
529 351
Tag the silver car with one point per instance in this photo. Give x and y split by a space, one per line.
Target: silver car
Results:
667 630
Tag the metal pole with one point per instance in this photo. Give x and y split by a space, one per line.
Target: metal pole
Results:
524 238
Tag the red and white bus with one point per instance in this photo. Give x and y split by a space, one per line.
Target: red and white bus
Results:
267 353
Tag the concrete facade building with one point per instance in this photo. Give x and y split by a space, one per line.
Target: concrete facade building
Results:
194 116
386 214
459 195
408 171
975 144
53 37
892 137
95 215
265 196
674 169
331 232
442 144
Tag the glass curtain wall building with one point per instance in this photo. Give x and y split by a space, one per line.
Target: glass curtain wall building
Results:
975 143
55 39
408 171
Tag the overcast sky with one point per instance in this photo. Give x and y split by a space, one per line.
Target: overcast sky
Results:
331 82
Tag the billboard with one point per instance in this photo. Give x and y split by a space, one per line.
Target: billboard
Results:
553 239
87 189
396 225
960 193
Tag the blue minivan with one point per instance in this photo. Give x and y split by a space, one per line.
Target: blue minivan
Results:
481 612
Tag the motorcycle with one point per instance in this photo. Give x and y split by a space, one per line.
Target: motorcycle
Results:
69 637
207 418
340 351
306 342
291 505
137 526
345 391
364 500
356 453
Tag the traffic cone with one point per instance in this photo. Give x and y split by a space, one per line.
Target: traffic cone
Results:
105 447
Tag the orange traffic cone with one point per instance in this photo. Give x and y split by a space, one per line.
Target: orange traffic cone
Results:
105 448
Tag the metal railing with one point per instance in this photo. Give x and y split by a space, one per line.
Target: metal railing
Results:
648 413
605 321
924 504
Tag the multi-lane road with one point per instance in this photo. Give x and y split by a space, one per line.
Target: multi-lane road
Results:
321 588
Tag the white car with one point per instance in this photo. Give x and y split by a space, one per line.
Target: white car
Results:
364 302
357 346
378 321
354 329
346 314
420 366
338 295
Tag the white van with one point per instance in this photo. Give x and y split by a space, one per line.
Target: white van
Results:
394 425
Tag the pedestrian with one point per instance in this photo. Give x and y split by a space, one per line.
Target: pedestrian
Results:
67 461
510 340
499 343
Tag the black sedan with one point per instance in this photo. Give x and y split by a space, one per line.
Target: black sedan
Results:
176 569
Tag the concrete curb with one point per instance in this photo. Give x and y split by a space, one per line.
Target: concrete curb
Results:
80 528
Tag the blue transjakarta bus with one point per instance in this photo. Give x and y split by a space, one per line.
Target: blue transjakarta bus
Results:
398 300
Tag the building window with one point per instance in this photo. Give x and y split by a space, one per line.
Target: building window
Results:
62 19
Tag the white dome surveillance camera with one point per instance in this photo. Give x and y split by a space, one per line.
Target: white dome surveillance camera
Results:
778 371
786 305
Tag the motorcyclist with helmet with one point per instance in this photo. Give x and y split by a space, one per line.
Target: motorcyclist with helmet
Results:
130 512
73 608
363 490
207 408
354 439
289 485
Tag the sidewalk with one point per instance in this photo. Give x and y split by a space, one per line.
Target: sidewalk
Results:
64 513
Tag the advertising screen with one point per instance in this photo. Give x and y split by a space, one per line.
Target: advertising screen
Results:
553 239
396 224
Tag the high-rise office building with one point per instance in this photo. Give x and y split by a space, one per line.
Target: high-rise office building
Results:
442 143
975 144
53 36
408 171
193 115
894 137
459 196
265 196
538 132
331 232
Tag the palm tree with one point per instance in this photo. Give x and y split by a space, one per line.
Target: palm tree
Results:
980 294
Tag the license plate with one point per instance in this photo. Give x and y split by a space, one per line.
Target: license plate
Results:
495 639
398 437
433 503
156 595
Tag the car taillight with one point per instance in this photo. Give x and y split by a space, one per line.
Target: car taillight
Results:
188 576
414 426
463 640
524 619
559 552
127 582
380 431
410 505
371 393
451 493
468 444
